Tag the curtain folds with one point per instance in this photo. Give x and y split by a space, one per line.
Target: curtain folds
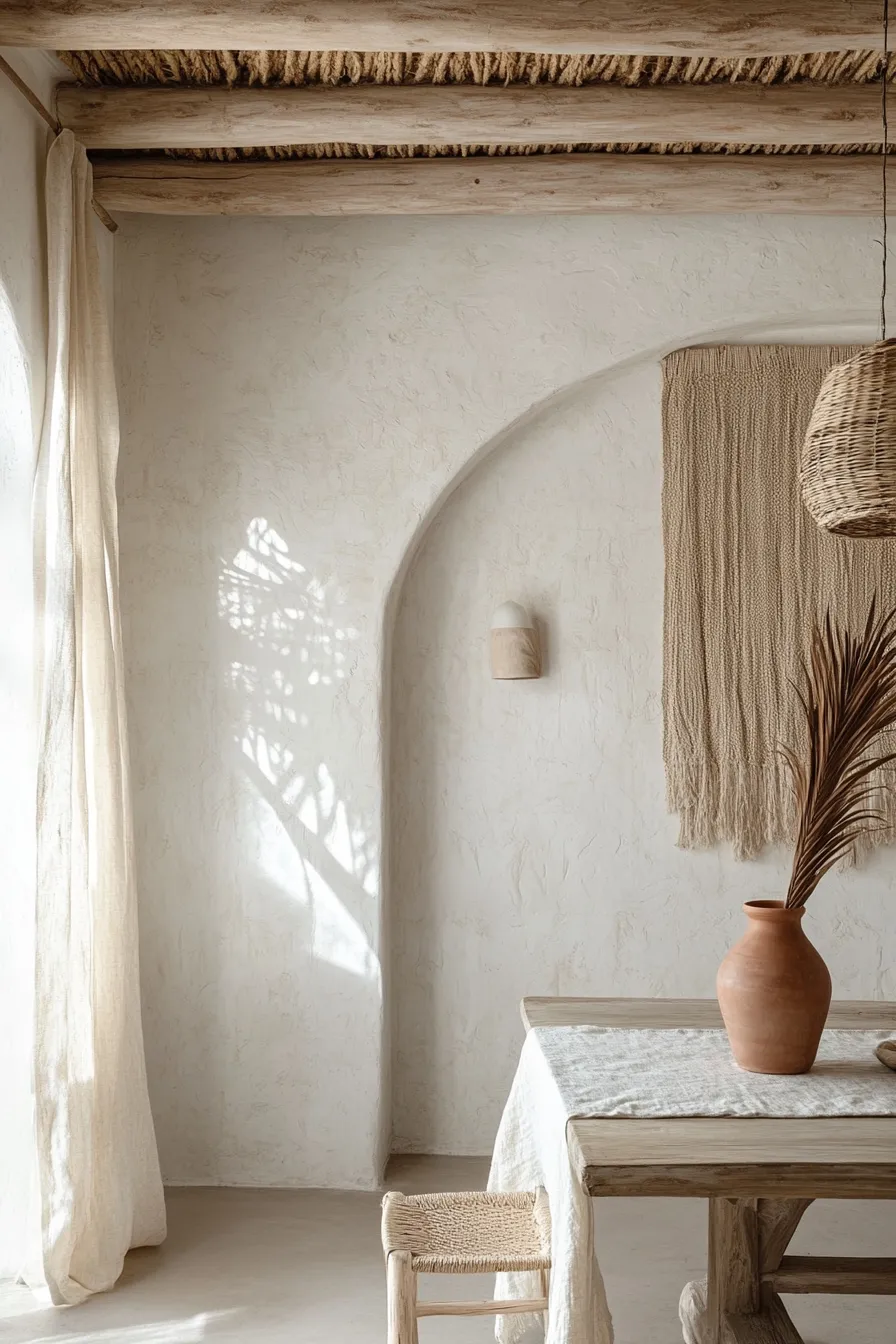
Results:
100 1186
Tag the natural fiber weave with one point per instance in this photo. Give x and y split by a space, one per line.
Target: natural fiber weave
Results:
848 465
285 69
475 1232
747 570
289 68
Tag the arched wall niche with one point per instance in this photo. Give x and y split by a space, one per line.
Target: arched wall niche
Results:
382 359
530 851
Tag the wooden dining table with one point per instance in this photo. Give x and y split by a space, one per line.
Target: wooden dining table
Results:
758 1175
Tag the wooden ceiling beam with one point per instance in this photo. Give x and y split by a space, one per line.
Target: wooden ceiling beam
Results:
444 114
537 184
662 27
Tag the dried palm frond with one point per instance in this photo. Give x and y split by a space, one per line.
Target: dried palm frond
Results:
849 699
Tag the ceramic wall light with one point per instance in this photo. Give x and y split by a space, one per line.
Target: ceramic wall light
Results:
516 655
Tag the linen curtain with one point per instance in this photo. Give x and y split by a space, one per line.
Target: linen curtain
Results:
98 1170
747 572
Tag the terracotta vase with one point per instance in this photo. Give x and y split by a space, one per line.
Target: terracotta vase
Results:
774 992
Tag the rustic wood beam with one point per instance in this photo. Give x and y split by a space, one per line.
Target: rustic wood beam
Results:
537 184
378 114
663 27
833 1274
743 1158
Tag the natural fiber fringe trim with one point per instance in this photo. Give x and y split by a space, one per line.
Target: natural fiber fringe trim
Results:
750 806
352 150
465 67
753 807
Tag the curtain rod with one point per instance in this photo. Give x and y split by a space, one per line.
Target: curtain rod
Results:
54 126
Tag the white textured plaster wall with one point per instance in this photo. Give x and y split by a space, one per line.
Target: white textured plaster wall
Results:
297 398
533 851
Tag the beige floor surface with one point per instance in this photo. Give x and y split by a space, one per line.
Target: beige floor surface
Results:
304 1267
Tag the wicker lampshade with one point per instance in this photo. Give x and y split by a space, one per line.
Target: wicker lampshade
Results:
848 467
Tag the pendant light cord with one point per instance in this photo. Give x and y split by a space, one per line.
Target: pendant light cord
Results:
883 101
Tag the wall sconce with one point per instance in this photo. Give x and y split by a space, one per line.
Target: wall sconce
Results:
514 643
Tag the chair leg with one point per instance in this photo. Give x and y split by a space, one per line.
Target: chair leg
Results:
546 1293
401 1290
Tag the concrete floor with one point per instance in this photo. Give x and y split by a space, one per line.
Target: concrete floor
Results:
304 1267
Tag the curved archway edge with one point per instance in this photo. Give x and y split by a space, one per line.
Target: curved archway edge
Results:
834 326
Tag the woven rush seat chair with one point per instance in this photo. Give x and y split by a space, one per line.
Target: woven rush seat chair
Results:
474 1232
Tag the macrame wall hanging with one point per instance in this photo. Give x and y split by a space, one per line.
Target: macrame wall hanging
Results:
747 569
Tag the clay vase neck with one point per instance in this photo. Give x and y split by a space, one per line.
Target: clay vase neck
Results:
774 992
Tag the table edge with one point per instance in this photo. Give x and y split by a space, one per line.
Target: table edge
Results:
859 1176
658 1013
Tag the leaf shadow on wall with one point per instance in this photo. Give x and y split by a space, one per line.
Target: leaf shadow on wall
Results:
285 650
258 861
260 873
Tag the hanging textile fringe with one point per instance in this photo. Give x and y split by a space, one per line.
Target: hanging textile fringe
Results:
746 571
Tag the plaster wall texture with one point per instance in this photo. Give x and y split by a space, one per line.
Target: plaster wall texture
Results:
299 398
533 850
23 336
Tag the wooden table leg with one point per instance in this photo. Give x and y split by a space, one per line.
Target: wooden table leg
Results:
747 1238
732 1285
778 1220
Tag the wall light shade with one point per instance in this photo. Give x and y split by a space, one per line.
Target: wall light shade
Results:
514 644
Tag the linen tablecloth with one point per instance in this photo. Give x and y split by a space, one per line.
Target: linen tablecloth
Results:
577 1072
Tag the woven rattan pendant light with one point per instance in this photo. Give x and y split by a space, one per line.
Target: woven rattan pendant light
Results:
848 465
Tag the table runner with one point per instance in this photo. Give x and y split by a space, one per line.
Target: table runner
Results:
576 1072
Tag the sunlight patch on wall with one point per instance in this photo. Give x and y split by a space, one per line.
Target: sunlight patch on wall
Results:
337 937
285 650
